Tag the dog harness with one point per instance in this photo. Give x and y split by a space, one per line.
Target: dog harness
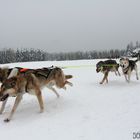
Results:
131 66
24 69
45 72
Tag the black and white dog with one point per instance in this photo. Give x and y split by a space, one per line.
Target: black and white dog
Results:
105 67
127 67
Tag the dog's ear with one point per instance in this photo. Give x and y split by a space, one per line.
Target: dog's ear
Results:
121 59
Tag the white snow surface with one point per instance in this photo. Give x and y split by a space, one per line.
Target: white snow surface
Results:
86 111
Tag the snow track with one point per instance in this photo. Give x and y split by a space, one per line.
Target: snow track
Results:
86 111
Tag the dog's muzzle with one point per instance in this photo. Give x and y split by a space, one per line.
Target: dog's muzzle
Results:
97 70
121 65
4 97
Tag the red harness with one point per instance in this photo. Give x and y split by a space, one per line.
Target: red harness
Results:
24 69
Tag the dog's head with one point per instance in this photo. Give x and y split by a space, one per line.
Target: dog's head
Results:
99 66
124 63
2 73
8 88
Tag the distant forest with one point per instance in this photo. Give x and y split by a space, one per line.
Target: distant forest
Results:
25 55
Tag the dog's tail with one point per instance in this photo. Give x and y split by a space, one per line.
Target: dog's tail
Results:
68 76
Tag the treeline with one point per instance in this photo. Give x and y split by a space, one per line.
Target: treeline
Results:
25 55
133 50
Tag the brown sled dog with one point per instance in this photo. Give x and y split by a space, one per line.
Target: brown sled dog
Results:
31 83
6 73
105 67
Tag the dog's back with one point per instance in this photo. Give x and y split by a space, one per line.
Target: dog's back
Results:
107 65
54 75
46 77
112 64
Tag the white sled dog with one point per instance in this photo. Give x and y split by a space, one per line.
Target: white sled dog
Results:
127 67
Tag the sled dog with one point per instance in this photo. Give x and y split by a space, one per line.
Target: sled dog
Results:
127 67
31 83
6 73
105 67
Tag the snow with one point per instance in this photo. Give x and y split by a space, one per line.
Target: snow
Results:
137 50
86 111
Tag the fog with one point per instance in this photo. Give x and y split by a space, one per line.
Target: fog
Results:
69 25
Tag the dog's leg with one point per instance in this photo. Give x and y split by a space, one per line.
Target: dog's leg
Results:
107 77
40 100
53 89
129 75
69 83
17 101
136 69
125 75
115 73
104 78
118 73
3 106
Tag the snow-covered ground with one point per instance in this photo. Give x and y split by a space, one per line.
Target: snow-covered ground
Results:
86 111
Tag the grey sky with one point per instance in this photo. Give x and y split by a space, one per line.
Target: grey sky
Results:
69 25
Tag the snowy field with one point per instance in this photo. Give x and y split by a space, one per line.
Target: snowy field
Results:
86 111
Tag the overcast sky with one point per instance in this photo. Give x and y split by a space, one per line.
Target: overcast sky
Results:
69 25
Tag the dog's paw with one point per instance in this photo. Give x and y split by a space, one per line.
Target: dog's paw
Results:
71 84
137 78
101 82
64 88
41 111
7 120
58 96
